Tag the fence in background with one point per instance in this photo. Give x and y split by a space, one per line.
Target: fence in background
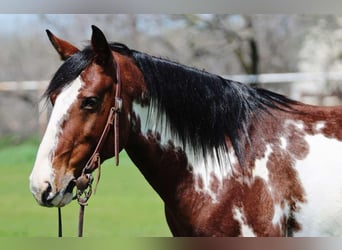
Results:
292 81
274 78
22 87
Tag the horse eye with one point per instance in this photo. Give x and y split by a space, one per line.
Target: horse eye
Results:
90 103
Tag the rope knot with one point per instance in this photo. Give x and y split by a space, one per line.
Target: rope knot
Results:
83 183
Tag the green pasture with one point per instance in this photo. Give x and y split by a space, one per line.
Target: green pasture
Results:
124 205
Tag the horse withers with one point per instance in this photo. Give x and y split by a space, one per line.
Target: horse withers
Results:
226 159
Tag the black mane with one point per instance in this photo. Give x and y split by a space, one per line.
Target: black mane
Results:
201 108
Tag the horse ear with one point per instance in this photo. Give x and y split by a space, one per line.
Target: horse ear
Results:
103 53
64 49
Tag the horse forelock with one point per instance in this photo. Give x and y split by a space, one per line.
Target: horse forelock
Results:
75 64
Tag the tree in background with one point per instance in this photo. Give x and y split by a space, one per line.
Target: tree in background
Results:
221 44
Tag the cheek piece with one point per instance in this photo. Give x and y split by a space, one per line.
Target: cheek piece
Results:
85 180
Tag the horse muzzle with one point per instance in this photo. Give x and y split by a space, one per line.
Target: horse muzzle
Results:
49 195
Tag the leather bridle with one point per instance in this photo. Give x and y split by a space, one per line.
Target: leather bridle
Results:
84 181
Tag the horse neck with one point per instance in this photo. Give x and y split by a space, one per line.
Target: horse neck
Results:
163 166
167 165
171 169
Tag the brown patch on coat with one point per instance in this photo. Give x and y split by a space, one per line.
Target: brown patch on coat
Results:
258 206
190 212
297 147
330 116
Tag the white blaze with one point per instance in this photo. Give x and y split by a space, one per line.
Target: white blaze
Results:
42 172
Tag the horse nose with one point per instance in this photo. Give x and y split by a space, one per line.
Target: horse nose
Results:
47 195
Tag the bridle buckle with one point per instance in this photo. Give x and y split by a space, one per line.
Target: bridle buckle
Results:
118 104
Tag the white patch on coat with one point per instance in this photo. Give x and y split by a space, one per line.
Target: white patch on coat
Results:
260 169
246 230
215 167
320 174
210 169
42 173
279 213
319 126
283 143
297 124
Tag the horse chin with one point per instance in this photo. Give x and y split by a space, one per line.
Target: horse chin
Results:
64 198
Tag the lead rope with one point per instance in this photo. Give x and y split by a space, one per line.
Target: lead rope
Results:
85 180
83 196
60 234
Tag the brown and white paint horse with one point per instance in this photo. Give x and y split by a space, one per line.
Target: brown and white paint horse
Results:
226 159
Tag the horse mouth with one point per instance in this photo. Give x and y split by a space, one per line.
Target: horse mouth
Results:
63 198
60 198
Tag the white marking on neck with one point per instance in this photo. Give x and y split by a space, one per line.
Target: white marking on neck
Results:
205 170
283 143
319 126
210 169
279 213
298 124
42 172
246 230
260 169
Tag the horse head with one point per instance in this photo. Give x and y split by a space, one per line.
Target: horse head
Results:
82 93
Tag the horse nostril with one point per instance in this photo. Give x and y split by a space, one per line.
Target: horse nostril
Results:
46 194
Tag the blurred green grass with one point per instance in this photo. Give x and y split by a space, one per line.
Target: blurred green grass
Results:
124 205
